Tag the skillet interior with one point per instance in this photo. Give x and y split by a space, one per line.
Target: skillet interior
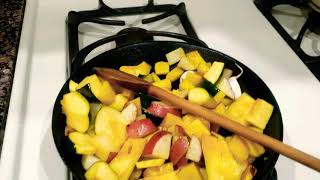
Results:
152 52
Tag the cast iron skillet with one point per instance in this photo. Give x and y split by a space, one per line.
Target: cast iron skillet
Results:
152 52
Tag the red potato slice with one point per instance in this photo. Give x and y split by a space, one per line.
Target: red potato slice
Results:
179 149
111 156
161 109
158 145
182 162
141 128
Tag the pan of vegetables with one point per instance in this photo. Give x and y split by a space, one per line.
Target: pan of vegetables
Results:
104 131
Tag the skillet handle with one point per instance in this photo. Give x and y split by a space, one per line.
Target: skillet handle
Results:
125 38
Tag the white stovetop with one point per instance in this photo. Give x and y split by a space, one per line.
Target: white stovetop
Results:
234 27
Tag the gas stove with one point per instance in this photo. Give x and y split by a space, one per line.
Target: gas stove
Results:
50 39
298 22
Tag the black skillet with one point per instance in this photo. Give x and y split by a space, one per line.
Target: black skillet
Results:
152 51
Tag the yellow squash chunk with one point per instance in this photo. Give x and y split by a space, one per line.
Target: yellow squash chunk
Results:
130 70
157 171
220 109
149 163
137 102
119 102
260 113
188 118
82 143
186 85
135 175
100 171
72 86
175 56
76 108
104 145
238 110
203 68
125 161
196 128
188 172
180 93
148 78
203 173
195 58
174 74
186 64
198 95
164 84
255 149
155 77
214 72
110 122
194 78
220 164
161 68
171 120
219 96
168 176
227 101
238 148
143 68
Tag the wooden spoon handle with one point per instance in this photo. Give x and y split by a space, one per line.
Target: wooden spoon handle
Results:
236 128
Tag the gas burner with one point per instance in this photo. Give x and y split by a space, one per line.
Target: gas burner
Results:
308 32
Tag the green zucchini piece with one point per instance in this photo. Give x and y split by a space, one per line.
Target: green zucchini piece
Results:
211 88
87 93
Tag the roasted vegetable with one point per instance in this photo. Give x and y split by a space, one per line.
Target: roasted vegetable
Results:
214 72
161 68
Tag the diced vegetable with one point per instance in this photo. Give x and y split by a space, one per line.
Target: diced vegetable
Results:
178 149
138 103
72 85
119 102
194 78
168 176
105 144
135 175
226 88
219 160
161 109
141 128
195 58
88 160
82 143
148 78
110 122
203 173
130 70
198 95
260 113
171 120
235 87
149 163
129 113
211 88
155 77
143 68
161 68
101 171
249 173
255 150
220 109
214 72
188 172
238 148
238 110
186 64
76 109
186 85
174 74
219 96
157 171
94 109
226 74
164 84
203 68
124 163
180 93
196 128
175 56
194 150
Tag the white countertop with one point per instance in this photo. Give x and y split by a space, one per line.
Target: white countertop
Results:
236 28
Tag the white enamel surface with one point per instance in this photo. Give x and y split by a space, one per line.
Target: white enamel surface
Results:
236 28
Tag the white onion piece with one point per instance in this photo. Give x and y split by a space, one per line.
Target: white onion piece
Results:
226 88
235 87
88 161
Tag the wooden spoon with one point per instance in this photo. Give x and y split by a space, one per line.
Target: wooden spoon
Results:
137 84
